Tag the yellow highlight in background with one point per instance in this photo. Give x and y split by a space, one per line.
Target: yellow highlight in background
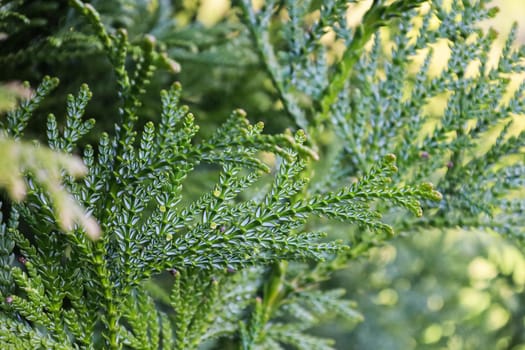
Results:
212 11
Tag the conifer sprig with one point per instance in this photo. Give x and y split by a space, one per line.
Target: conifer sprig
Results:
147 229
244 258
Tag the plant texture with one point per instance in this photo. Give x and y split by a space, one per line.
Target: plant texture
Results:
237 261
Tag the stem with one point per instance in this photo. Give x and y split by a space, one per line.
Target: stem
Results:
376 17
274 289
112 315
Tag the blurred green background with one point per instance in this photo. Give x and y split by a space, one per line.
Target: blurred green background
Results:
441 290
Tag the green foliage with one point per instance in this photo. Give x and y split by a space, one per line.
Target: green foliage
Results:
238 261
477 185
45 166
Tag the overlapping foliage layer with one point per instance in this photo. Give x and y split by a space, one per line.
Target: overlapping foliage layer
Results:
245 254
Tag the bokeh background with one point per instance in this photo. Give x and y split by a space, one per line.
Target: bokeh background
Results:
442 290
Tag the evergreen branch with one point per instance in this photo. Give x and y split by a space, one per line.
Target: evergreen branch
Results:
377 16
247 250
259 31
